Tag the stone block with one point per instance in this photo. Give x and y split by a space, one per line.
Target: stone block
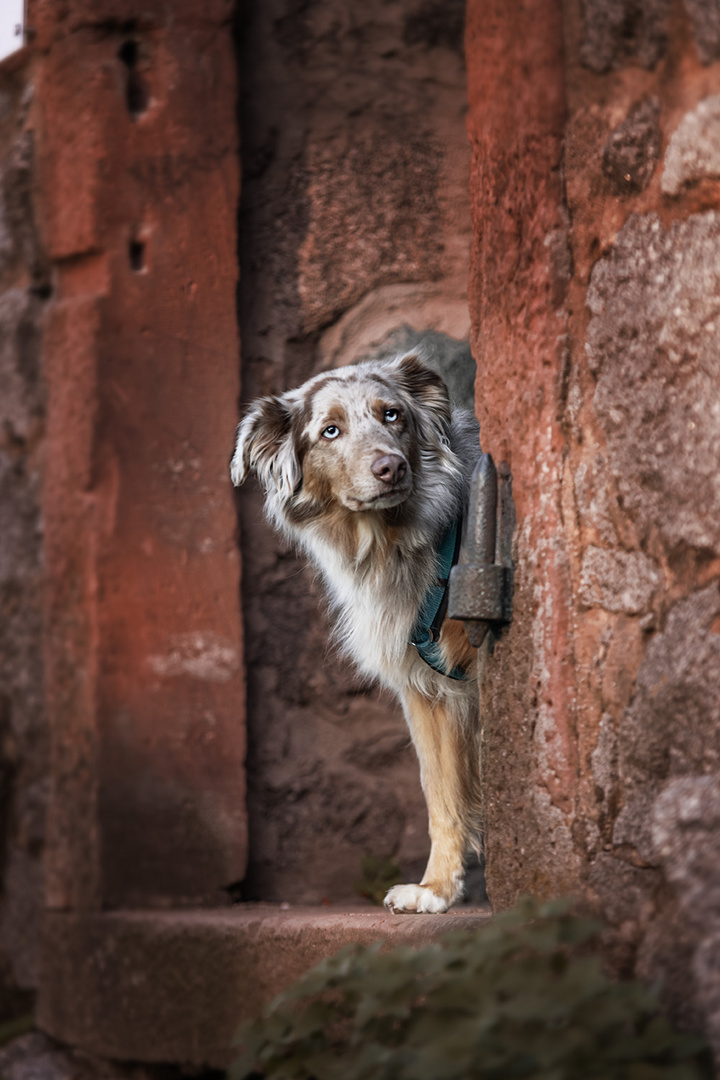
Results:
374 181
175 986
654 342
672 727
694 148
146 684
685 824
705 22
617 32
618 580
685 832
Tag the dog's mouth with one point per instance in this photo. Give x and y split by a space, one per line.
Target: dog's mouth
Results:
383 500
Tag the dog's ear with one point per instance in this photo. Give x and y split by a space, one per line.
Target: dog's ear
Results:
424 384
264 445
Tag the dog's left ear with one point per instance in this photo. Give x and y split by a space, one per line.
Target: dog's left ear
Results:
265 446
424 384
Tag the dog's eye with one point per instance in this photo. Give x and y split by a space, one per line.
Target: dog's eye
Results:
331 432
391 416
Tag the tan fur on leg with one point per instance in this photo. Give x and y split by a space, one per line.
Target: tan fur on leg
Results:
447 751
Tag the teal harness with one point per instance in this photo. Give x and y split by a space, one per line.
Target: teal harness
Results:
434 606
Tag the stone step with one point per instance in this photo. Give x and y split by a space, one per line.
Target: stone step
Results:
173 986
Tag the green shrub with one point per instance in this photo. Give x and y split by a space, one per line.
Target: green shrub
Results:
519 998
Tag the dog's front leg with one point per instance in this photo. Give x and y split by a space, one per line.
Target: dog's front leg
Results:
447 753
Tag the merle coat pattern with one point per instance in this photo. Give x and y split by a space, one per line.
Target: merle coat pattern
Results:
363 469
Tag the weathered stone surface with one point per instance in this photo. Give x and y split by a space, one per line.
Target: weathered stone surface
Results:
621 653
355 235
18 237
145 681
705 966
22 911
686 835
653 341
36 1057
619 31
633 148
604 758
685 832
618 580
175 986
20 380
705 19
625 890
436 23
373 215
519 275
24 744
672 727
593 500
602 695
694 148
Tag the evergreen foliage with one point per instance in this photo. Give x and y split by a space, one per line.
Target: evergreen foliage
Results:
522 997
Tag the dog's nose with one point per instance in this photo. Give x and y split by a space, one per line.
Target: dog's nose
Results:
390 468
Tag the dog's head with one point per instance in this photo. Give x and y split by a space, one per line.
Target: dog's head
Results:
354 437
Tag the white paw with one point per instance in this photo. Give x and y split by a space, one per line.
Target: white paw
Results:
414 898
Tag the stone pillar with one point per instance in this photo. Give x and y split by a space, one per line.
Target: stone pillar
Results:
596 273
137 188
519 277
24 744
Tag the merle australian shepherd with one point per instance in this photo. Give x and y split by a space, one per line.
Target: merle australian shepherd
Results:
366 470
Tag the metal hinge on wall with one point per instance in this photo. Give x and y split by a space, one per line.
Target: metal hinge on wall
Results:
481 583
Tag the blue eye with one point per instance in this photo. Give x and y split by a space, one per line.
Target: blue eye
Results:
331 432
391 416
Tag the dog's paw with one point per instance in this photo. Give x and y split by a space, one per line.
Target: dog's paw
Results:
404 898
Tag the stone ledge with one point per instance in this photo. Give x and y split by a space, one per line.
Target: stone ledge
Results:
161 986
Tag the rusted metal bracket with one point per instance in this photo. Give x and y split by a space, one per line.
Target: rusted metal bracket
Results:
481 583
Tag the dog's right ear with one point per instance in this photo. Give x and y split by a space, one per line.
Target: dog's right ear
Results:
264 445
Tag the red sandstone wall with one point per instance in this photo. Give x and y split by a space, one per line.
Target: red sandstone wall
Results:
24 743
593 289
137 194
519 275
594 302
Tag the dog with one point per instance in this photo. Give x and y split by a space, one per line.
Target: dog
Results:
366 470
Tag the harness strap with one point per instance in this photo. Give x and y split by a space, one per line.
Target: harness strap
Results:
434 606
